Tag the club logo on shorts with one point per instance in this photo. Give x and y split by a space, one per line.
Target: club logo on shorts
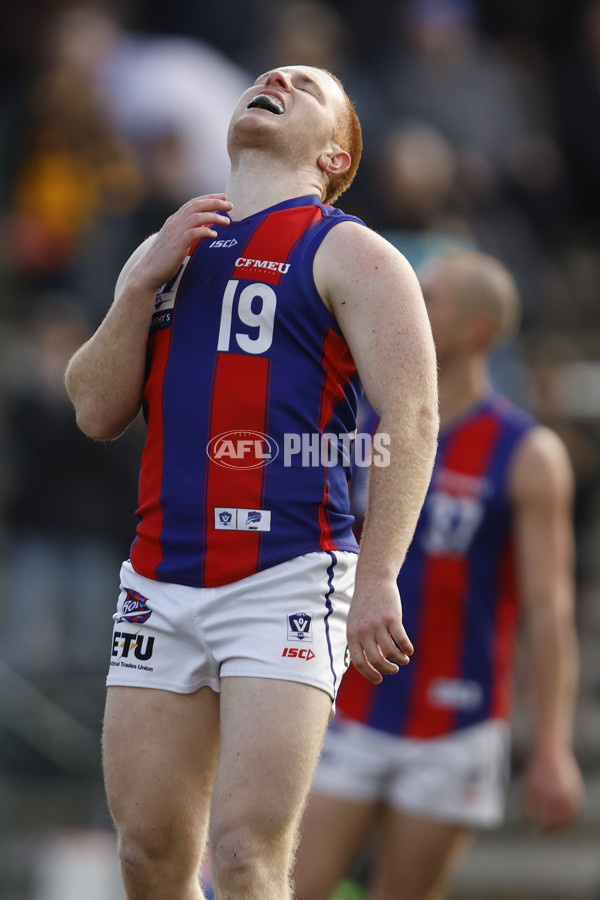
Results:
134 608
299 627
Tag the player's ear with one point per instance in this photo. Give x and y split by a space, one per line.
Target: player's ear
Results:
335 162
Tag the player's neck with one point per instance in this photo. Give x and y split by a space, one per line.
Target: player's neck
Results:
461 387
258 182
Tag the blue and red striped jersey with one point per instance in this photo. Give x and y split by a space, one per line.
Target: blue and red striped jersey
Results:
246 370
458 588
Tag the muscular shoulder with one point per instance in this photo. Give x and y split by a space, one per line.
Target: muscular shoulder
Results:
353 257
541 469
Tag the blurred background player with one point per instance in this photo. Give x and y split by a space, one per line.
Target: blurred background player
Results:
427 751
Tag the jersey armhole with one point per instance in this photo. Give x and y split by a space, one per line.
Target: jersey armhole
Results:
321 230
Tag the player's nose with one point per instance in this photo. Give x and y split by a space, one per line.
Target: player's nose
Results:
278 78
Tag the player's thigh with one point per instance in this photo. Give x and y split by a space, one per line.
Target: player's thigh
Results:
417 852
332 832
271 736
160 753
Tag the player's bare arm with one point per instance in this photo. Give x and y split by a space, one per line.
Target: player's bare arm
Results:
105 378
542 494
377 301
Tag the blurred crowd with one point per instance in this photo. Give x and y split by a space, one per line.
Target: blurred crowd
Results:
481 123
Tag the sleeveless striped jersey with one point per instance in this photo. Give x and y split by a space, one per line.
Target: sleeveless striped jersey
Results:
458 589
246 370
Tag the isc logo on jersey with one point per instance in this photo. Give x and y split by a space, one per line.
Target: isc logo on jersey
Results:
230 243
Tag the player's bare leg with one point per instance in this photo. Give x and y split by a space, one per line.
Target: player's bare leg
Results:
419 854
160 757
321 864
271 737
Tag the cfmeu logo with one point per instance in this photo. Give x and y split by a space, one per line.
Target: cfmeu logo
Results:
242 449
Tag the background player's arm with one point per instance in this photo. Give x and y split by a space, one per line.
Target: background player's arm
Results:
377 301
542 492
105 377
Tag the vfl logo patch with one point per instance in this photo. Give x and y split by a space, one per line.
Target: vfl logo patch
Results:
134 608
299 627
231 518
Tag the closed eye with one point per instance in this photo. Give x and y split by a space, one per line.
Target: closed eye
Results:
310 87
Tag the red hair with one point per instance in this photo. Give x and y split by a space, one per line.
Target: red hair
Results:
348 135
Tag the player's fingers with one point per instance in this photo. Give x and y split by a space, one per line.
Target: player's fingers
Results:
360 661
376 659
208 201
549 813
396 645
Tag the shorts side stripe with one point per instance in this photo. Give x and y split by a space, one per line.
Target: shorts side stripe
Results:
329 604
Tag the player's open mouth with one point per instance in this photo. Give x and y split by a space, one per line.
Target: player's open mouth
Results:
268 102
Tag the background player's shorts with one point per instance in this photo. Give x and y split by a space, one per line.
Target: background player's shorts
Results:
286 622
460 778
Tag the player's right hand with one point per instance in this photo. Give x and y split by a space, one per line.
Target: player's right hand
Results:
169 247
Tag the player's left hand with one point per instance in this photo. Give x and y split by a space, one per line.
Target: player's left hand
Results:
377 640
553 791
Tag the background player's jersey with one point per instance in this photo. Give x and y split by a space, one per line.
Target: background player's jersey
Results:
458 589
246 370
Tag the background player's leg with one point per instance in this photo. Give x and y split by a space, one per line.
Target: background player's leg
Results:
331 834
271 736
417 853
160 758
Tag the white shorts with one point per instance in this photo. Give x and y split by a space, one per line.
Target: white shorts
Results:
286 622
460 778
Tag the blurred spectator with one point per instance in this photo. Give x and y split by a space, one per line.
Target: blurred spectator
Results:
311 33
120 128
67 528
152 86
415 184
73 167
444 71
578 111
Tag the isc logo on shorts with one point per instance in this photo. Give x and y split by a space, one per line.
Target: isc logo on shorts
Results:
298 652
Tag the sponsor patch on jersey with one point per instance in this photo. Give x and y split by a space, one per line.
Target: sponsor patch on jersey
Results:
134 608
455 693
231 518
262 265
299 626
162 316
